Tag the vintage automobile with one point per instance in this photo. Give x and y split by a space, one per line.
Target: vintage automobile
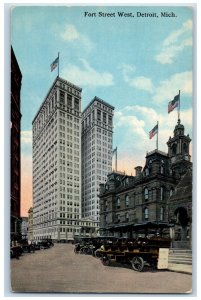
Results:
42 244
26 246
139 252
16 251
90 245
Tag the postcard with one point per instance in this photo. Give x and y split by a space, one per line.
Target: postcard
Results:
101 149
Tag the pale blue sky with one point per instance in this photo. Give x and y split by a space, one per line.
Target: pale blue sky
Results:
136 64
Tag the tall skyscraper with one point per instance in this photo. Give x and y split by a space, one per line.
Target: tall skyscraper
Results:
97 136
15 159
57 163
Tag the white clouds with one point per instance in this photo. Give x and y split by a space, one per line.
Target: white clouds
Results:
26 137
85 75
147 112
175 43
71 34
130 121
133 124
165 90
173 37
142 83
180 81
138 82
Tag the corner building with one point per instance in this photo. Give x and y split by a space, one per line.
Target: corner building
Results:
97 136
159 195
57 163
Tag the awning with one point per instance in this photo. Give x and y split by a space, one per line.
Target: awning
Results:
152 225
141 226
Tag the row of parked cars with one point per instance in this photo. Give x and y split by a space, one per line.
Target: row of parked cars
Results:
139 252
23 246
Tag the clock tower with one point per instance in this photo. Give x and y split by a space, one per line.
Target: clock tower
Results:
178 150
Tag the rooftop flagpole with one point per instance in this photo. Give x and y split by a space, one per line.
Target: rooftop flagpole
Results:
58 64
157 138
179 108
116 160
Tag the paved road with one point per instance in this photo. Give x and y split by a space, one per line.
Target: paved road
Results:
58 269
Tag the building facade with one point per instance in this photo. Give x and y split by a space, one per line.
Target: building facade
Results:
56 163
30 224
97 137
151 196
24 228
15 160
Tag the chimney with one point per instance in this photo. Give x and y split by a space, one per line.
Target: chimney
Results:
138 170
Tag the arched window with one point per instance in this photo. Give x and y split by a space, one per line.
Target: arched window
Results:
174 149
127 200
171 191
161 214
185 148
118 204
127 217
146 213
146 194
106 205
162 194
146 171
162 167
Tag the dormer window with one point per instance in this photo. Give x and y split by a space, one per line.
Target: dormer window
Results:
146 171
150 161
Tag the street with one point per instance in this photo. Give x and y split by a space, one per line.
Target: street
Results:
59 269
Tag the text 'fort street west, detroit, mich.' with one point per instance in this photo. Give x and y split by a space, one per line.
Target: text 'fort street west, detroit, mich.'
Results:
129 14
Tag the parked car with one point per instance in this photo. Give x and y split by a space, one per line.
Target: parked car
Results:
139 252
16 252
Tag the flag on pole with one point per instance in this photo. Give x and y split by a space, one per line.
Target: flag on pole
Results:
174 103
54 64
153 131
114 151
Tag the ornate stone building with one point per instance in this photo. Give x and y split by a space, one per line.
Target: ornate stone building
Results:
15 162
156 196
180 202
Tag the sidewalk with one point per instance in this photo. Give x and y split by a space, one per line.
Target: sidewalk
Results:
180 268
